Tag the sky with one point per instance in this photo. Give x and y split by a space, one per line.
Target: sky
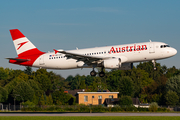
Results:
67 24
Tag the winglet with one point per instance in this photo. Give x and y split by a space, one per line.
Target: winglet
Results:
56 51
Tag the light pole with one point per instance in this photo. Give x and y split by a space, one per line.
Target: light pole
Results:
15 100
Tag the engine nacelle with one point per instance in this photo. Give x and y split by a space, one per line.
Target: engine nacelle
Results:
112 63
116 64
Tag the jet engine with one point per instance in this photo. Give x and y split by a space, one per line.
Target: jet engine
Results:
116 64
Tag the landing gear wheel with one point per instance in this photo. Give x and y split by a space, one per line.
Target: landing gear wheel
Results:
101 74
93 73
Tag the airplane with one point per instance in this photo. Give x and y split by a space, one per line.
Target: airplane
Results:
119 57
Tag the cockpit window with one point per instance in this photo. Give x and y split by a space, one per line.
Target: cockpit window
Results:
164 46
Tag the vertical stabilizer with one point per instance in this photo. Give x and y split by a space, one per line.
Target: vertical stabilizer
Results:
22 45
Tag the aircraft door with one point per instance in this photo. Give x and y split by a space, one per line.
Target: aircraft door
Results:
41 60
151 48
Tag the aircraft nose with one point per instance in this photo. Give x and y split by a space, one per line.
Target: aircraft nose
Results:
174 51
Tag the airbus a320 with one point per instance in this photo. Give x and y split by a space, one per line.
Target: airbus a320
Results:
119 57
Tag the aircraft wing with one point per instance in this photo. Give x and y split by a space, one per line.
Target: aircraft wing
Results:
79 57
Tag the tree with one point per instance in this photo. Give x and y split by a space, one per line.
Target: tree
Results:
125 86
173 84
35 86
171 98
49 100
149 68
3 95
28 70
89 79
172 72
140 79
56 80
153 107
61 98
82 85
77 81
125 100
113 80
42 100
97 84
41 76
3 74
23 90
69 78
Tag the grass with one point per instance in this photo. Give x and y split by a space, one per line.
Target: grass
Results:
89 118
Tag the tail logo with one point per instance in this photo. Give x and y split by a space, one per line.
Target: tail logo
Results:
21 44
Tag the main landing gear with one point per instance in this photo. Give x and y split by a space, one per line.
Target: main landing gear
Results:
101 74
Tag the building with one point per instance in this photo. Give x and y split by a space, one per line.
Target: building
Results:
110 102
94 98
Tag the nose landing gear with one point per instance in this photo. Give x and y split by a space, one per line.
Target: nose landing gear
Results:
154 63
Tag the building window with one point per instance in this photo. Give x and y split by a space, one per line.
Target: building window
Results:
99 97
92 96
110 96
85 98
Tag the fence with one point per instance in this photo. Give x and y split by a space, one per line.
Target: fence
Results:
9 107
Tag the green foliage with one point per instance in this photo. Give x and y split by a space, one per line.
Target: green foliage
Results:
4 73
90 118
153 107
35 86
77 82
41 76
28 70
23 91
125 100
49 100
28 103
3 94
42 101
173 84
142 82
125 86
171 98
172 72
82 85
61 98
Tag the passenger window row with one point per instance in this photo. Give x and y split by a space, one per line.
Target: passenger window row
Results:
95 53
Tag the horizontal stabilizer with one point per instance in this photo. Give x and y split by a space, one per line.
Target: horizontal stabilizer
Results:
20 60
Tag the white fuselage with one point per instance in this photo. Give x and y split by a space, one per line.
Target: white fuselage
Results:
129 53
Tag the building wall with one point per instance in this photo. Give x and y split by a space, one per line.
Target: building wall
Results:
95 100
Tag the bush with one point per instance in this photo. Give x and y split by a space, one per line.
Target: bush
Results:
98 108
171 98
129 108
83 108
28 104
116 109
125 100
162 109
153 107
142 109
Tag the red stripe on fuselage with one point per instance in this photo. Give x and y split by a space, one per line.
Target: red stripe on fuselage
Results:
31 55
16 34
